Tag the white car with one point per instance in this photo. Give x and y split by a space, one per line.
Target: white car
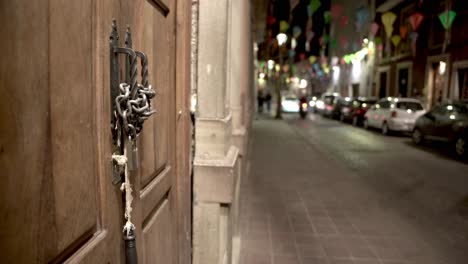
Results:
290 104
394 114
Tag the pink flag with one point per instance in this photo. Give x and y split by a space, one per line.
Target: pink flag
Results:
374 28
415 20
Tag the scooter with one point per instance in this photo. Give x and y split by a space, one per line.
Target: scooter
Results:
303 109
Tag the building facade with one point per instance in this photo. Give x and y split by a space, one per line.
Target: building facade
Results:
224 88
430 61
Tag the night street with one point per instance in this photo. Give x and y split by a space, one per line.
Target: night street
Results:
320 191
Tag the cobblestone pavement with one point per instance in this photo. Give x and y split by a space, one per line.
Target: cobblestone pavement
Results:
303 204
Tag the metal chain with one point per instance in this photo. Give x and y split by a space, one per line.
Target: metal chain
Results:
133 111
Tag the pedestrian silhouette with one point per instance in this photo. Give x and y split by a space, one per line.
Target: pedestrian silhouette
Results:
268 101
260 99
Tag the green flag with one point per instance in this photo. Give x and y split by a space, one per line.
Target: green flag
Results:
446 18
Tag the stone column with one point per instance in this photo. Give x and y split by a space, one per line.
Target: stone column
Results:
216 166
240 86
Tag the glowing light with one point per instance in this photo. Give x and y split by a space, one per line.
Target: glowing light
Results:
389 98
293 43
277 67
320 104
336 73
314 98
282 38
303 83
364 105
409 111
311 103
271 64
366 41
347 99
450 107
356 69
442 67
262 75
452 117
396 100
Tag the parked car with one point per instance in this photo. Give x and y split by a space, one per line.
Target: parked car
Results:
330 105
394 114
290 104
446 122
341 105
355 110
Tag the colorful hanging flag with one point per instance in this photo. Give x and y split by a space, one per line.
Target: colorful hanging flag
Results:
297 31
292 53
388 19
344 20
336 10
312 59
403 32
327 17
415 20
284 26
314 5
396 40
446 18
271 20
378 40
362 15
374 28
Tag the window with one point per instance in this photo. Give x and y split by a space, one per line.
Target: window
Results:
414 106
440 110
385 104
460 109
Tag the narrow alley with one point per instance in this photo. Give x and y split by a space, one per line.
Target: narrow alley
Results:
318 193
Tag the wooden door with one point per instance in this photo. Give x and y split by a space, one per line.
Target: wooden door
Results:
57 201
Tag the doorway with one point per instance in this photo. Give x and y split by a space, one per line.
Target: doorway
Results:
383 85
403 82
463 83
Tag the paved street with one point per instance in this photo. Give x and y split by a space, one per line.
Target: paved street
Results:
320 191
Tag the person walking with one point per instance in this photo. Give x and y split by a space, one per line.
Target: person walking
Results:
260 100
268 101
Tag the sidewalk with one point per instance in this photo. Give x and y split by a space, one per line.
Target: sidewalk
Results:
299 207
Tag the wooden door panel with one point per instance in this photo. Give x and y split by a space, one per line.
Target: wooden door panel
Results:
24 147
158 237
72 115
56 196
155 191
156 43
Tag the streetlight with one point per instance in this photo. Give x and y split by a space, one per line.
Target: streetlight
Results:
282 38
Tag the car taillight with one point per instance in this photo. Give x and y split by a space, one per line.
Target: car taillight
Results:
329 107
394 114
359 111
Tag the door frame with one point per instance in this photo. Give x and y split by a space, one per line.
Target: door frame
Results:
380 70
400 66
454 89
429 77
